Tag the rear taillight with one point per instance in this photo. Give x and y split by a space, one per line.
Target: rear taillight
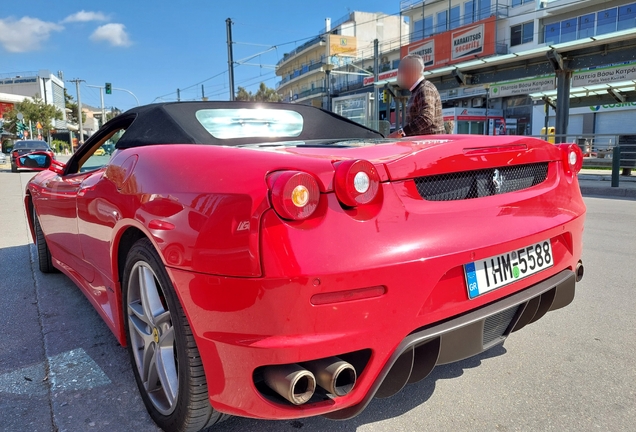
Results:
572 157
295 195
357 182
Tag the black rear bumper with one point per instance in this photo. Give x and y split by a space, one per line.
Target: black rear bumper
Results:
465 336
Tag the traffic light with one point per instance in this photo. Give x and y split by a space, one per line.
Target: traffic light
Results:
109 88
385 96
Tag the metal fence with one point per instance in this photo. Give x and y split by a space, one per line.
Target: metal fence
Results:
604 151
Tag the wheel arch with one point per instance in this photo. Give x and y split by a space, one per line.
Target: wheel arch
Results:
29 207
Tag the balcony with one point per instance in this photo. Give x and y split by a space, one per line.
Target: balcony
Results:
308 44
304 69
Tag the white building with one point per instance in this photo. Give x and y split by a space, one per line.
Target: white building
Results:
43 85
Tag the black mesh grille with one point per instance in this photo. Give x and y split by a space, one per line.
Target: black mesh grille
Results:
496 325
481 183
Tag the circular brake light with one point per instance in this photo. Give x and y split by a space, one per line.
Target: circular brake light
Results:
572 158
357 182
295 195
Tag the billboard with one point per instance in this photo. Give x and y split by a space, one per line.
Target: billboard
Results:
342 45
462 44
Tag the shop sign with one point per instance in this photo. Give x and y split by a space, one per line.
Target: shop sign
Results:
522 87
468 42
381 77
603 75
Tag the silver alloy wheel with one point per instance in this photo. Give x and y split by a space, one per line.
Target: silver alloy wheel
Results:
152 338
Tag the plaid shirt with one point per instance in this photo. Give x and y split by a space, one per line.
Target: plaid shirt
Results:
424 111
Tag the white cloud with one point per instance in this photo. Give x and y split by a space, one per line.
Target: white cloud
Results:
25 34
85 16
113 33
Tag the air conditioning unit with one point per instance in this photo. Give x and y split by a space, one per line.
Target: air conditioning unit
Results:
477 102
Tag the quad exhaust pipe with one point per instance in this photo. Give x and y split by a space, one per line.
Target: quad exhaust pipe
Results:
293 382
297 384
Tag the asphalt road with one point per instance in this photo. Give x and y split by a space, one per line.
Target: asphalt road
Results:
61 368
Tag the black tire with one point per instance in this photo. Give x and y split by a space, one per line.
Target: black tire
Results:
44 254
190 409
14 167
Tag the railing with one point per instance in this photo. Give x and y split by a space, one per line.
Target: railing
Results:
24 74
305 68
303 47
603 151
343 19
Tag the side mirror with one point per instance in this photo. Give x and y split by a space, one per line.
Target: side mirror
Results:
36 161
57 167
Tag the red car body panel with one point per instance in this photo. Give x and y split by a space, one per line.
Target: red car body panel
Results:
246 277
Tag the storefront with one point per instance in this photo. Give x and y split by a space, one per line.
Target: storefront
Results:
475 121
512 97
609 119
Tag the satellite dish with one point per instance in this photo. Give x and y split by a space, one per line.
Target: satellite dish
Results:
20 116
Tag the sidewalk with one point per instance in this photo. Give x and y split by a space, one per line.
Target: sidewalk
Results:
595 182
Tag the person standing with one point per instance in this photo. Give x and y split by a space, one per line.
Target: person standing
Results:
424 108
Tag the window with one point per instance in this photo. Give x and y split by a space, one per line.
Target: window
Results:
441 22
586 26
627 17
606 21
454 18
568 30
484 9
522 33
552 33
418 30
428 26
248 123
520 2
469 12
100 153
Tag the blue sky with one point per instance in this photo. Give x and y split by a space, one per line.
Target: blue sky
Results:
154 47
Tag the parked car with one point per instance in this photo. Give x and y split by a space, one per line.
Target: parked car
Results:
100 152
23 147
3 158
278 261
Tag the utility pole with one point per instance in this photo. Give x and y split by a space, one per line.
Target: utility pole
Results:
376 92
203 98
79 113
230 56
178 95
101 97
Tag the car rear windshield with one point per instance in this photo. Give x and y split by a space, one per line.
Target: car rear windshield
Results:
36 145
229 123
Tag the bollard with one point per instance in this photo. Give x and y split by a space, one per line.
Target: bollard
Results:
616 165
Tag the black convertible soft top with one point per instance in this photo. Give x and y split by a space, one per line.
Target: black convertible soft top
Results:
177 123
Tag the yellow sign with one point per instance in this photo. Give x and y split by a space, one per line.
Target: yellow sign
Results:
38 126
342 45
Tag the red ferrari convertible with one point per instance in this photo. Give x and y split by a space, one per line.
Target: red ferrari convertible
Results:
278 261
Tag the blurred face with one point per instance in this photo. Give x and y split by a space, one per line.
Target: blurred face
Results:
408 73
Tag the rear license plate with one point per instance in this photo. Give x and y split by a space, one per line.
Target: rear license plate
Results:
501 270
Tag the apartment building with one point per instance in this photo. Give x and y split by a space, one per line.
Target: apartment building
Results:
342 45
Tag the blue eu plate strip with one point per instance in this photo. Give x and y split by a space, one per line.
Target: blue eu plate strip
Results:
471 280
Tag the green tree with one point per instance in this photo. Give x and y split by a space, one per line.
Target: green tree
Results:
34 111
71 105
243 95
264 94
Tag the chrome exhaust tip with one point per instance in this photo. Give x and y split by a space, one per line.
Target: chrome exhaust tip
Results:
580 270
293 382
334 375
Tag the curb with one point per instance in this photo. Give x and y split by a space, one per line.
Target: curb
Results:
609 192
